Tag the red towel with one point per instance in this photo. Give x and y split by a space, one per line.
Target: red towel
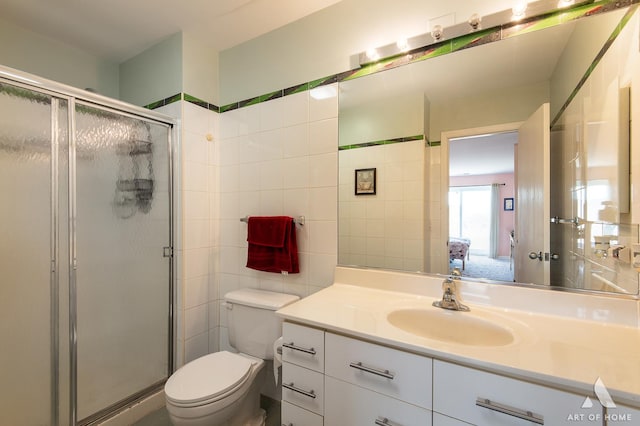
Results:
272 244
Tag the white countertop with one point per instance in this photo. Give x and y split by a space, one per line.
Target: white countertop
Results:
560 351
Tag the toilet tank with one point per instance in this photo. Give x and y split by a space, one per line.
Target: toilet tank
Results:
252 323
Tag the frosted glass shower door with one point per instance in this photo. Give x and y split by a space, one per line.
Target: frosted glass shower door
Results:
32 124
123 276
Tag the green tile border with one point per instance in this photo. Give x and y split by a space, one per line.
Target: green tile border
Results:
614 35
200 102
381 142
466 41
165 101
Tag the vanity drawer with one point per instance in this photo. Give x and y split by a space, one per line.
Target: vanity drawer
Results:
442 420
395 373
303 346
292 415
458 390
351 405
303 387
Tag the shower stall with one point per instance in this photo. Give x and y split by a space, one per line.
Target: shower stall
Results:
86 253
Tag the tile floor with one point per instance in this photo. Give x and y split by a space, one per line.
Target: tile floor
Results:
161 417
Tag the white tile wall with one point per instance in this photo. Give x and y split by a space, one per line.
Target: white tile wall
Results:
278 158
274 158
196 237
366 221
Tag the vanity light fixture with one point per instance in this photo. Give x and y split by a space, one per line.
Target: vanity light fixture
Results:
522 9
373 54
437 32
403 45
519 10
475 21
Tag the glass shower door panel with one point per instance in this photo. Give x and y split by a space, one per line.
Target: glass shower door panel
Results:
123 279
25 256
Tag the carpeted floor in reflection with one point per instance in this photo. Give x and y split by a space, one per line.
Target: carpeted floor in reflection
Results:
484 267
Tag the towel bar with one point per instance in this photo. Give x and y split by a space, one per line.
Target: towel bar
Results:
298 220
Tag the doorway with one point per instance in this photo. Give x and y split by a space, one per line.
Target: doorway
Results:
480 204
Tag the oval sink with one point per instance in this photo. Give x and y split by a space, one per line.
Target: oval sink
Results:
451 326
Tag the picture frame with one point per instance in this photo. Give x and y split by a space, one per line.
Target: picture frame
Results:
365 182
508 204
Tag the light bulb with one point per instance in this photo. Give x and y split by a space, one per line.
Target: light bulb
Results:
373 54
437 32
519 10
474 21
403 44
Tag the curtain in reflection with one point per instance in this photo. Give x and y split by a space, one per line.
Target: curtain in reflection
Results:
495 220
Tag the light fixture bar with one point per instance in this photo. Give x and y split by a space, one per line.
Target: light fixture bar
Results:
533 9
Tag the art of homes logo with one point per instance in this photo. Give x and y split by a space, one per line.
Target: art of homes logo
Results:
605 400
603 396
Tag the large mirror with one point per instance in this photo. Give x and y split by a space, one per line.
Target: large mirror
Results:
508 160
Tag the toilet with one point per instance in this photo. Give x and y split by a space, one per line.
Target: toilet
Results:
223 388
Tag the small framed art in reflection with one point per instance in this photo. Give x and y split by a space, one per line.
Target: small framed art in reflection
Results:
508 204
365 182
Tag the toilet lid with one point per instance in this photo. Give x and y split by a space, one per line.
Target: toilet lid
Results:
207 377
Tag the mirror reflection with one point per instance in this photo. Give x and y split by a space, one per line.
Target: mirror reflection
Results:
509 160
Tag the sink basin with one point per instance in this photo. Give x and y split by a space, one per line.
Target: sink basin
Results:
464 328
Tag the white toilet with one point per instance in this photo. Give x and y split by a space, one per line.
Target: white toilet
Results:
223 388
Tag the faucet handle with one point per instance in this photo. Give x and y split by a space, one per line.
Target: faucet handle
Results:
448 285
456 273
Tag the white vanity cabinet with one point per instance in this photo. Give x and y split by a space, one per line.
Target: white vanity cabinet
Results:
334 380
302 375
486 399
348 404
368 384
622 415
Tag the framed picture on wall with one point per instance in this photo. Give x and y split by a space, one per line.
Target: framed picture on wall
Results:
365 182
508 204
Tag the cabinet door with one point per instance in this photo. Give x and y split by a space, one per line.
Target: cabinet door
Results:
292 415
622 415
442 420
486 399
350 405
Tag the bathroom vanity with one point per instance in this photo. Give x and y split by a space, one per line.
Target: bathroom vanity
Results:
372 350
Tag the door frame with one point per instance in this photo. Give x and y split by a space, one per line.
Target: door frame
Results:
440 259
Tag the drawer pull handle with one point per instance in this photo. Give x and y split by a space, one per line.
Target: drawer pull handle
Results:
377 372
309 351
383 421
290 386
505 409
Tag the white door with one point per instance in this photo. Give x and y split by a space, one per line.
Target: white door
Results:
532 199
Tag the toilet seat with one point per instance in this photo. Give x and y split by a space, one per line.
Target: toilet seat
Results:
208 379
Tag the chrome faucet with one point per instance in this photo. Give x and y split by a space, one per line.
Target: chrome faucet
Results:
451 298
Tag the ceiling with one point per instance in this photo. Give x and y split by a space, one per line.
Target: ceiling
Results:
482 155
117 30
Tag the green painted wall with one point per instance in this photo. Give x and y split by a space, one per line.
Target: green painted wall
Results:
154 74
31 52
